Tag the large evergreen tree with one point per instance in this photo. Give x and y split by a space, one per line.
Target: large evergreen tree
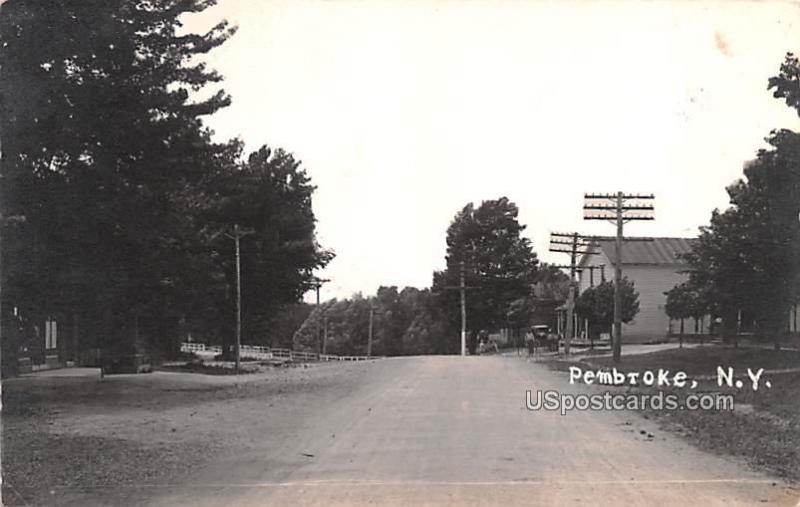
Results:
99 134
269 193
126 196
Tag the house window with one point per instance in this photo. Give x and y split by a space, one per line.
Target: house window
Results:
50 334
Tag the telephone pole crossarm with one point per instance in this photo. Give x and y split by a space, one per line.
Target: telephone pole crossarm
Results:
622 208
462 288
627 240
573 244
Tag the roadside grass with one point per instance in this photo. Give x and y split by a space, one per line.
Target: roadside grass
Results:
704 360
82 440
210 369
694 361
764 427
40 467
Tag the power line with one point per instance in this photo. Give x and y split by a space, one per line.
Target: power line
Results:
614 238
578 245
619 211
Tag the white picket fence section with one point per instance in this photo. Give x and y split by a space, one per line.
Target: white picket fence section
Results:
267 353
193 347
255 352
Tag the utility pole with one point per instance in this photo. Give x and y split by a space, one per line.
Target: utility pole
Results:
325 334
237 235
463 290
321 347
369 339
617 349
372 313
573 244
618 208
316 283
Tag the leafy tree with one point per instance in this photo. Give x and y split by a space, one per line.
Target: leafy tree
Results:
498 263
430 331
408 322
782 184
748 258
393 315
719 266
271 194
347 323
700 306
126 196
596 304
549 290
786 85
305 337
284 324
99 135
679 304
551 283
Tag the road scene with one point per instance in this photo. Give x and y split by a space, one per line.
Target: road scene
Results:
402 431
399 253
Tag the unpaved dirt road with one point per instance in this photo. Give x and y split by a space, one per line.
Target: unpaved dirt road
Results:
455 431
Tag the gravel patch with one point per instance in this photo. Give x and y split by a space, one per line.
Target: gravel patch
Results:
86 441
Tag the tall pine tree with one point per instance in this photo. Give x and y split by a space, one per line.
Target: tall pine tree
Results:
100 134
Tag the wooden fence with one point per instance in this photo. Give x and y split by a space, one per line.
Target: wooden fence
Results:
267 353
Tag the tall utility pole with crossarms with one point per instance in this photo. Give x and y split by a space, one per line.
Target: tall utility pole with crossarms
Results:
574 244
618 208
462 288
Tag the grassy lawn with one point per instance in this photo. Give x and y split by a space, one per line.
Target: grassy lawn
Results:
704 360
763 429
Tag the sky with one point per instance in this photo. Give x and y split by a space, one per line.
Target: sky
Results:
402 112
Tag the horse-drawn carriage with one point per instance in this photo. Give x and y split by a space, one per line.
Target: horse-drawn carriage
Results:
540 336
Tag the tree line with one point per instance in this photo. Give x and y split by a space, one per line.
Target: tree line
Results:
116 204
744 266
128 202
506 287
125 196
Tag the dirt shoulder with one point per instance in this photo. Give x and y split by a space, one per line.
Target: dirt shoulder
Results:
763 429
85 441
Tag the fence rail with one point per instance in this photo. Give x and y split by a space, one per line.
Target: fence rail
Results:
267 353
193 347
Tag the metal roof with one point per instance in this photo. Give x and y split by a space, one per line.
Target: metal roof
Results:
660 251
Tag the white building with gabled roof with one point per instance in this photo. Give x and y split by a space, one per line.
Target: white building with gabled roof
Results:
654 267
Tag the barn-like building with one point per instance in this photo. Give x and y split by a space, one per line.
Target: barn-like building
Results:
654 267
